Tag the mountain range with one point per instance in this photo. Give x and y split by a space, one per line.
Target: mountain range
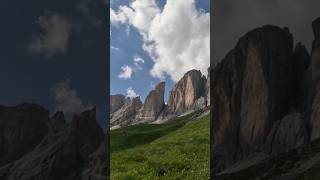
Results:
35 145
190 93
266 107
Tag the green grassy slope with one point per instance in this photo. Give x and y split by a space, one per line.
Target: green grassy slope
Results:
175 150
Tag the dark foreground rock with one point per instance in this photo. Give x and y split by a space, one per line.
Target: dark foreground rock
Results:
248 95
22 127
266 108
67 151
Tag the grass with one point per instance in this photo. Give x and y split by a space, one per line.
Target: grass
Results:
176 150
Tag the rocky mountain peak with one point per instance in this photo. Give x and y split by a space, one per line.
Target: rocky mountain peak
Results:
153 104
116 102
24 120
248 93
127 113
186 91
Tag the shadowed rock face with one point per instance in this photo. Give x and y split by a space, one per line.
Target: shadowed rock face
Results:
208 88
22 127
315 67
300 78
288 133
62 155
153 104
116 102
250 92
315 54
266 100
186 92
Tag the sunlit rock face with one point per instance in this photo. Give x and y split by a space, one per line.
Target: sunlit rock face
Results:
127 113
154 104
187 90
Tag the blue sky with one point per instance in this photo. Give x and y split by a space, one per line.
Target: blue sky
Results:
129 58
53 53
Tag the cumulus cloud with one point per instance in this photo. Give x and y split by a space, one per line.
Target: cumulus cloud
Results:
126 72
66 99
54 39
131 93
177 37
137 61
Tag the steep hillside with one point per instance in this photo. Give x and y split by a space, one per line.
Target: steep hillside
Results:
178 149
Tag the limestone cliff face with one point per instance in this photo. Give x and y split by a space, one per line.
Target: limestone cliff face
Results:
116 102
154 104
186 92
250 92
127 113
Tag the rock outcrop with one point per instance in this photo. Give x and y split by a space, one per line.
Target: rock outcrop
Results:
186 91
288 133
127 113
250 92
154 104
22 127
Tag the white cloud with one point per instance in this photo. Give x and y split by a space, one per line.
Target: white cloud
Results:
54 39
114 48
176 38
126 72
67 100
137 60
131 93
